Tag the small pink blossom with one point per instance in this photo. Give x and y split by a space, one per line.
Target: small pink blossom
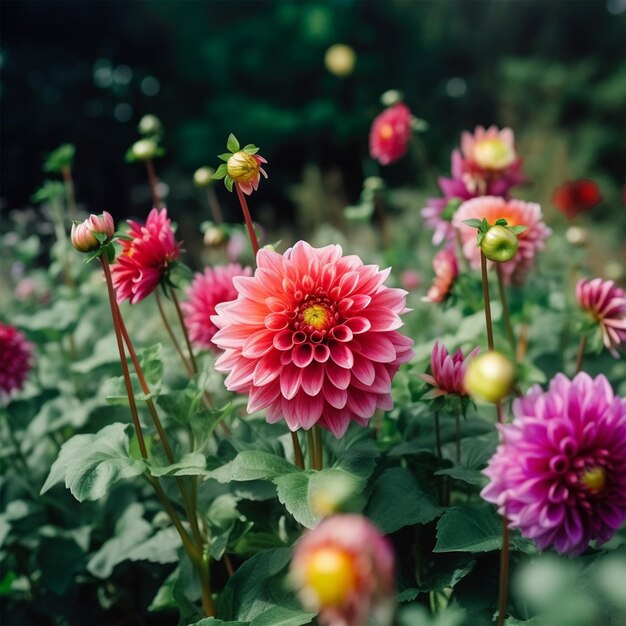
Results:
312 338
83 235
208 289
605 302
516 213
447 372
559 473
446 271
145 257
390 134
15 360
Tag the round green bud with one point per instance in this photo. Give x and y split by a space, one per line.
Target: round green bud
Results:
203 177
150 125
144 149
490 376
499 244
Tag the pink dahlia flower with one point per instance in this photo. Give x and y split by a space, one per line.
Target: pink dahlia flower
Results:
208 289
312 337
145 257
606 304
446 271
15 360
390 134
516 213
447 372
344 569
559 473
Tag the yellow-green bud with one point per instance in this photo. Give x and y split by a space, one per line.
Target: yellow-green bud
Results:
340 60
144 149
490 376
214 236
243 167
499 244
150 125
203 177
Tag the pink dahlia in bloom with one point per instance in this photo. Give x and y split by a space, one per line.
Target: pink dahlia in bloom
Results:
344 569
446 271
605 302
15 360
208 289
313 338
447 372
516 213
390 134
145 257
559 473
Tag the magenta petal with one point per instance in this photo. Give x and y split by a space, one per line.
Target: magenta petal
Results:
290 381
341 354
313 378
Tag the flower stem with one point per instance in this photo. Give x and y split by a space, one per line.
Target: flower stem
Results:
69 191
154 181
319 448
192 358
438 435
310 445
504 573
170 332
214 205
483 268
505 309
120 347
297 451
581 353
457 419
246 215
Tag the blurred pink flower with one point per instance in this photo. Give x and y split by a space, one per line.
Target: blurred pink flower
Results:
559 473
606 304
390 134
447 372
145 257
344 569
446 271
410 279
208 289
516 213
15 360
312 337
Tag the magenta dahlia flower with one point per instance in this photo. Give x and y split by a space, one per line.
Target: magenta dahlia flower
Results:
15 360
446 271
516 213
606 304
145 257
208 289
447 372
312 337
344 569
390 134
559 473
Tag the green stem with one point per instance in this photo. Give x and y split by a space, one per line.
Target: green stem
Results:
170 332
438 435
483 268
69 192
504 573
192 358
214 205
506 316
457 418
154 181
248 219
319 448
297 451
310 445
581 353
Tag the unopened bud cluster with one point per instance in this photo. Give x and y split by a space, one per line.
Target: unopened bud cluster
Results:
92 233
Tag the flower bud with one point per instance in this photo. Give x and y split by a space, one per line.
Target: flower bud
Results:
243 167
150 125
84 235
340 59
214 236
203 177
490 376
499 244
144 149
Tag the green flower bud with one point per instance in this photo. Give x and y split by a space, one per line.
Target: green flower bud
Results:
144 149
203 177
490 376
499 244
150 125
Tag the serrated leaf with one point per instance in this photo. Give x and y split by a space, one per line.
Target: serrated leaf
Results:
232 144
292 490
253 465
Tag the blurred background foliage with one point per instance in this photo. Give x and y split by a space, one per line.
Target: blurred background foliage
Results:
85 73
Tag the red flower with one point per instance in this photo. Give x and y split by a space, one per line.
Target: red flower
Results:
576 196
145 257
390 133
15 358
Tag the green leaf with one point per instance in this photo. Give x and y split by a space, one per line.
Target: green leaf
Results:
62 316
115 393
224 157
91 464
451 208
162 547
50 191
293 492
464 474
232 144
192 464
501 222
252 465
228 182
398 501
469 529
60 159
250 149
152 364
518 229
220 172
213 621
473 223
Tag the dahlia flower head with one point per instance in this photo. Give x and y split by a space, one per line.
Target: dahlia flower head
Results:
605 302
486 165
516 213
390 134
344 569
446 271
208 289
242 166
15 360
145 257
447 372
312 338
559 473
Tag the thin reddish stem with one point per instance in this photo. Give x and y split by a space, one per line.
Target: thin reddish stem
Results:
170 332
297 451
246 215
483 268
580 355
192 358
214 205
154 181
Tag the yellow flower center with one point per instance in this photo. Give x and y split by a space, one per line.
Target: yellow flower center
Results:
493 154
330 575
594 478
242 167
316 315
386 131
